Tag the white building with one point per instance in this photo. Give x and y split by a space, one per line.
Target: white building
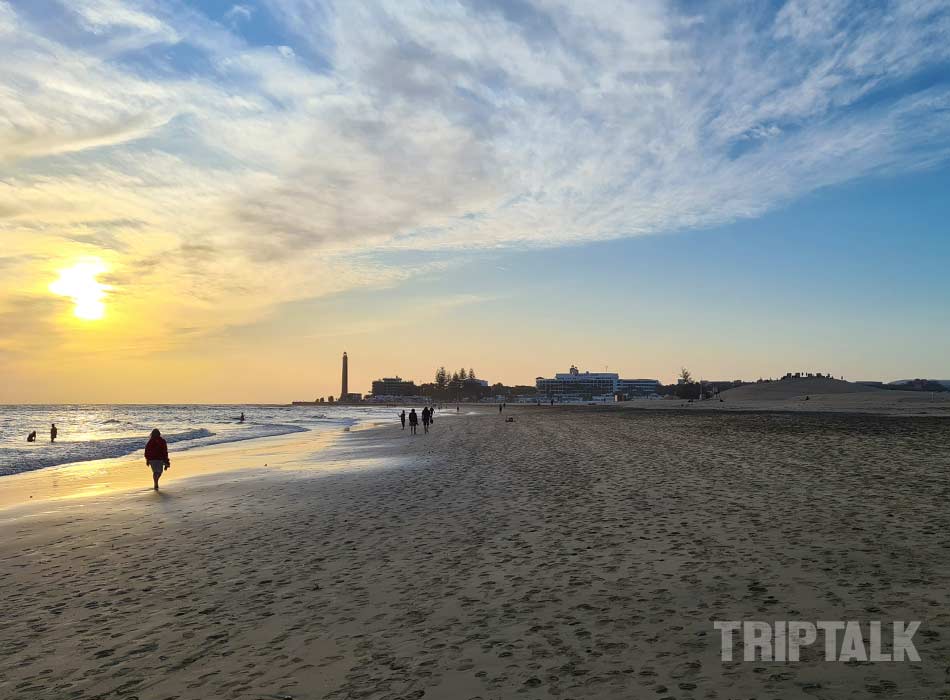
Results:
575 385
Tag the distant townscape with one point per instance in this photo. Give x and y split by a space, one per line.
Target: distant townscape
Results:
573 386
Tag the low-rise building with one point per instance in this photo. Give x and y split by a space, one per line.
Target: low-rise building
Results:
575 385
394 386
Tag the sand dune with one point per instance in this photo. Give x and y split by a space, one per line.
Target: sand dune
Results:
828 395
794 388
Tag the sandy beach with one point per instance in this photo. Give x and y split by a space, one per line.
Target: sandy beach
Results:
573 553
673 277
814 396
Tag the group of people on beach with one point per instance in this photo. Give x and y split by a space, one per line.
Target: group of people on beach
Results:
53 432
428 418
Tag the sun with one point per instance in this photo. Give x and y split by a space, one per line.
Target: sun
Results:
79 283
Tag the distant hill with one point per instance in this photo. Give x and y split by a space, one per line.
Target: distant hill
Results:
920 384
790 388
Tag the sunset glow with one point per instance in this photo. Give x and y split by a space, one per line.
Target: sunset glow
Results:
79 284
211 201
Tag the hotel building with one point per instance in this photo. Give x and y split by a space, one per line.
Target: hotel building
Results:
594 386
394 386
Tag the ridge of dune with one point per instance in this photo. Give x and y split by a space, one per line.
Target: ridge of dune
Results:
791 388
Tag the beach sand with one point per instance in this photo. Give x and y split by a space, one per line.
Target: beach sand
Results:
814 396
84 482
574 553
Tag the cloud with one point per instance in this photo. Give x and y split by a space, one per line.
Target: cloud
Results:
104 15
256 170
239 13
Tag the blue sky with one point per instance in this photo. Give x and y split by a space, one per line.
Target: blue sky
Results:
740 187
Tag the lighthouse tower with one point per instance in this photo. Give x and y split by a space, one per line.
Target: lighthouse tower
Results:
345 389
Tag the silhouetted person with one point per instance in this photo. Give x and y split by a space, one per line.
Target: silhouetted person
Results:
241 419
425 419
156 455
402 419
31 437
53 432
456 408
500 407
413 421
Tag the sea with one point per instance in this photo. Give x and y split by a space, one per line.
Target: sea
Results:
89 432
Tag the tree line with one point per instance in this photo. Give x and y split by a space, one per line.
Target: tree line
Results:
458 378
463 385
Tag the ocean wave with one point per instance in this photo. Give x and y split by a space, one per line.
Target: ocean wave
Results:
251 431
39 455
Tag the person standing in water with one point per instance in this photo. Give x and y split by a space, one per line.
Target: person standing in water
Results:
241 419
156 455
53 432
413 421
402 418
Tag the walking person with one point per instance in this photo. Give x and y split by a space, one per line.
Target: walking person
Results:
500 406
402 418
425 419
413 421
53 432
156 455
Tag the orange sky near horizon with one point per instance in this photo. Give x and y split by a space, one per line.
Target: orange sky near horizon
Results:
205 202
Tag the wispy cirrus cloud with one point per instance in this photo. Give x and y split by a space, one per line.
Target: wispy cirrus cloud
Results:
279 149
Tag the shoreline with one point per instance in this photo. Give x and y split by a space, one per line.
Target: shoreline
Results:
101 477
115 477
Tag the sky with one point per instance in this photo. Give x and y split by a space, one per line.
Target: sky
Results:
209 201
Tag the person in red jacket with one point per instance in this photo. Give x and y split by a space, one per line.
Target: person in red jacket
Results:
156 455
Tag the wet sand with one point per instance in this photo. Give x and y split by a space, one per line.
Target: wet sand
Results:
83 483
574 553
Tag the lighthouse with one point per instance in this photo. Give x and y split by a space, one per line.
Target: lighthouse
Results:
345 389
